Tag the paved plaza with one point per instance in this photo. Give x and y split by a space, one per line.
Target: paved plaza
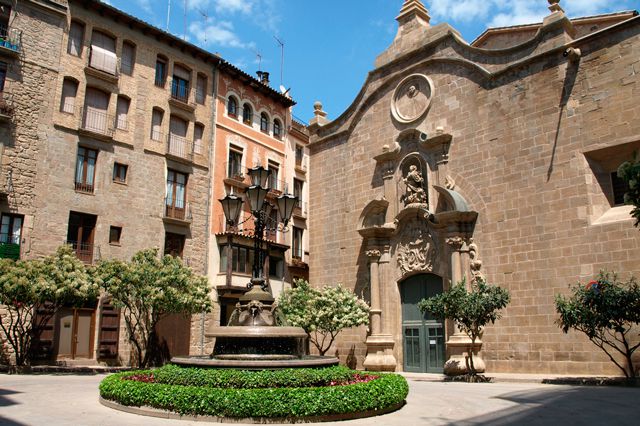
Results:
73 400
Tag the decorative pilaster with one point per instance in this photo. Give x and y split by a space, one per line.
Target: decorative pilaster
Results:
379 346
459 344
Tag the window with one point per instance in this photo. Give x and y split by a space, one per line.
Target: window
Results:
10 236
201 89
69 93
161 71
85 170
128 58
241 259
232 107
115 232
235 163
299 155
176 194
103 52
120 173
296 249
273 177
173 244
95 117
247 114
619 187
277 129
156 124
198 132
276 267
264 123
80 234
122 110
3 75
178 145
180 83
76 37
297 189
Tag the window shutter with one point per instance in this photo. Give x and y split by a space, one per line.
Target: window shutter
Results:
69 92
109 334
181 72
103 53
128 58
198 131
201 89
122 111
76 34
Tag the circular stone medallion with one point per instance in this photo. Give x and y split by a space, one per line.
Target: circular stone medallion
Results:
412 98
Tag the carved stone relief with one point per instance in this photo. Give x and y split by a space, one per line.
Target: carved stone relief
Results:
475 264
416 251
412 98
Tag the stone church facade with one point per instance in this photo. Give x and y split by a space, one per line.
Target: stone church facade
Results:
457 161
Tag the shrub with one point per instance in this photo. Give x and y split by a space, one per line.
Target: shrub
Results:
240 379
385 392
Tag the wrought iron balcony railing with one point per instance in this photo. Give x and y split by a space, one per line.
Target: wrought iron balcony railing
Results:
179 146
87 253
97 121
180 91
177 209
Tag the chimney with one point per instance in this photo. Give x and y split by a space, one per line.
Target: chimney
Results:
265 78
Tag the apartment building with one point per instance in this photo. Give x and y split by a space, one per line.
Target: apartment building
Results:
116 137
254 128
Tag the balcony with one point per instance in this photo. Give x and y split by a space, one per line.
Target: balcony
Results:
300 210
6 106
103 65
87 253
85 188
179 147
96 123
276 187
177 211
9 251
10 41
234 175
180 96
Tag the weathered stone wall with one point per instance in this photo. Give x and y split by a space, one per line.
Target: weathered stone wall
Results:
519 156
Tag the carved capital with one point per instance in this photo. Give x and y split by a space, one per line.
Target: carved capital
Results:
373 253
455 242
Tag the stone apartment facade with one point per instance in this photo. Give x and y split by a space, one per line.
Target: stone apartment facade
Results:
495 158
108 127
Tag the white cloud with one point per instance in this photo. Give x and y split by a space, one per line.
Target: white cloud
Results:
233 6
460 10
219 34
145 5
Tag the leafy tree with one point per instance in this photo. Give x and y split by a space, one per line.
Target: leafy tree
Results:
55 281
471 310
630 173
323 313
607 311
149 288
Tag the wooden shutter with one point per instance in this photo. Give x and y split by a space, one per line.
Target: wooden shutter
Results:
44 333
109 334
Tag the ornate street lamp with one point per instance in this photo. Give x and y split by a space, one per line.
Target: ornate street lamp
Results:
256 196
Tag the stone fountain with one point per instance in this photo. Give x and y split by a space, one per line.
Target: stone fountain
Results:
256 339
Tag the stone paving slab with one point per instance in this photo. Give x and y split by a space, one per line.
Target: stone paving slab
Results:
72 400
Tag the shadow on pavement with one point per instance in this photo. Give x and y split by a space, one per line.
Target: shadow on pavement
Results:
569 405
4 401
7 422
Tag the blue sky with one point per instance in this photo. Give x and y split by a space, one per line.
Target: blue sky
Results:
329 45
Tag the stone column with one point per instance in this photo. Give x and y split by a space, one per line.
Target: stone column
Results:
459 344
379 346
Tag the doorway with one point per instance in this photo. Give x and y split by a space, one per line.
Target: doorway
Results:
75 333
423 335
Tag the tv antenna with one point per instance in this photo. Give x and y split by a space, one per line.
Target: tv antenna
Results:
281 44
184 21
205 15
168 13
259 57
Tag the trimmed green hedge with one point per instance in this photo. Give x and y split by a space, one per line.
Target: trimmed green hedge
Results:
386 391
241 379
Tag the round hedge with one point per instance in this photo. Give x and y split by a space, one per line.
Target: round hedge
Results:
384 392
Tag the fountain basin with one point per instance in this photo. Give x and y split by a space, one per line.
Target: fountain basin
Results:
307 361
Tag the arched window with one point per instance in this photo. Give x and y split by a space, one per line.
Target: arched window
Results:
264 122
161 70
247 114
277 129
69 93
232 107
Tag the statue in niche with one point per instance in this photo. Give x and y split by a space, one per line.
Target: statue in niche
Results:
414 193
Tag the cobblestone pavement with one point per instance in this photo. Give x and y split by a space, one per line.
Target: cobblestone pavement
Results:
51 399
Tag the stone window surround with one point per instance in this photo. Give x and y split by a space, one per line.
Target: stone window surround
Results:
240 102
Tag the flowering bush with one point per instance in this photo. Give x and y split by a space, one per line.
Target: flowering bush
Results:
149 288
61 279
606 310
629 172
324 312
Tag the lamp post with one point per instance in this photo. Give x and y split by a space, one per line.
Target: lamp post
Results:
256 196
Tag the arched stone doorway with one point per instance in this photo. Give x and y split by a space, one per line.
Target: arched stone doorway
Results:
423 335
